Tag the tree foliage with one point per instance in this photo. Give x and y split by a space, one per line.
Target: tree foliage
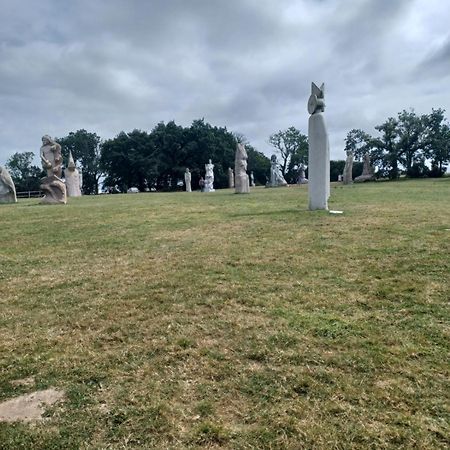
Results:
292 146
25 175
85 148
405 143
158 160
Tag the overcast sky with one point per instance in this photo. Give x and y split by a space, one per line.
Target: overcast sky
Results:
113 65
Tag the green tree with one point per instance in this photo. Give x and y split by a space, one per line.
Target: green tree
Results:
26 176
258 163
292 146
358 142
129 160
437 141
85 148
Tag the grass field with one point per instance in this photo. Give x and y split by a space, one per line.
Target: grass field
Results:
222 321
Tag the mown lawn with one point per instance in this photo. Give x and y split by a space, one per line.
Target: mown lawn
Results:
222 321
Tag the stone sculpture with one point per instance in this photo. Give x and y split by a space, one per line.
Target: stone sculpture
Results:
368 172
209 177
252 179
276 177
242 185
72 177
347 175
187 180
230 178
52 185
319 151
301 175
7 188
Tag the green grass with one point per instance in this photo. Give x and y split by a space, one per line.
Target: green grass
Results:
222 321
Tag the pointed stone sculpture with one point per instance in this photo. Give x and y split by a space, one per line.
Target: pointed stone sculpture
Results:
347 175
368 172
52 185
242 185
187 180
7 187
230 178
301 175
276 177
209 177
72 177
319 151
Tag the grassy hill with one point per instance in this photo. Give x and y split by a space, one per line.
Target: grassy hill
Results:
189 320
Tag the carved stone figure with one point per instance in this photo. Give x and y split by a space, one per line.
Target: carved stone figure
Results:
276 177
187 180
72 177
209 177
368 172
7 188
230 178
319 151
242 185
347 175
252 179
52 185
301 175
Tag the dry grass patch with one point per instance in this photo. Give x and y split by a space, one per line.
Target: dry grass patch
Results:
222 321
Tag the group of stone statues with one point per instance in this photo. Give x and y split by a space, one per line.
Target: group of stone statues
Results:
367 174
55 189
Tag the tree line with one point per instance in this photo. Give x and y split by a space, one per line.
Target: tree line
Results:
156 160
405 144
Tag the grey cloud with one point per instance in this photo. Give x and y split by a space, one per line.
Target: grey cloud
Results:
115 65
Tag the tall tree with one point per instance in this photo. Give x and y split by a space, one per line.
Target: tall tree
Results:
358 142
437 141
129 160
26 176
292 146
410 131
85 148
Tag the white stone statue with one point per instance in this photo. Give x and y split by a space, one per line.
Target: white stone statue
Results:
242 184
347 175
72 177
368 172
319 151
7 187
276 177
252 179
209 177
230 178
301 175
187 180
52 185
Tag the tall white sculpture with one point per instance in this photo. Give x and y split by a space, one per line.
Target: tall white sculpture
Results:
242 184
230 178
7 187
276 177
187 180
72 177
209 177
319 151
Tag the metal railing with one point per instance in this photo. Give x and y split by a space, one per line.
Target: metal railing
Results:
29 194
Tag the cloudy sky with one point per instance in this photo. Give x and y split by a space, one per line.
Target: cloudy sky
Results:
113 65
